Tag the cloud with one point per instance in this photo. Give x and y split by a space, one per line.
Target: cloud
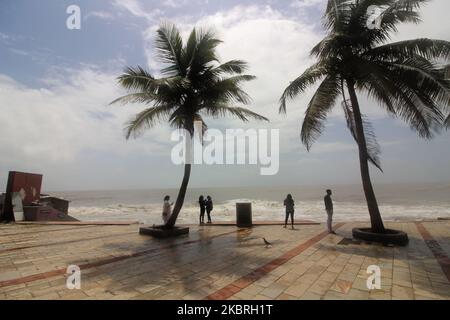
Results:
19 52
301 4
4 36
275 47
69 117
104 15
174 3
135 8
66 126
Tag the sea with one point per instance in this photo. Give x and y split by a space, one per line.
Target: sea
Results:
397 202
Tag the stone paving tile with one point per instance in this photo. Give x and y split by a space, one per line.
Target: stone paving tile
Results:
121 264
333 295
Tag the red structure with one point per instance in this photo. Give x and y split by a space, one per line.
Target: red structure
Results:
28 184
35 207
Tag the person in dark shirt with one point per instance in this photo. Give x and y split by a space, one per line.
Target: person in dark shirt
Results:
329 209
202 204
209 207
289 204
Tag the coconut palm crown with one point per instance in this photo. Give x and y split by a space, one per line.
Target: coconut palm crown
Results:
193 85
357 56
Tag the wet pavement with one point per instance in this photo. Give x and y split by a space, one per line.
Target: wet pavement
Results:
222 262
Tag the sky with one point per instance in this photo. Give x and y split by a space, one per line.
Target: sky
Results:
56 85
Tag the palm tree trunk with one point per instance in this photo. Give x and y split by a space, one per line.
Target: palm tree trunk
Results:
180 199
374 212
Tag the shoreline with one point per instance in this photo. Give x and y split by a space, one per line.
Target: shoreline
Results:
219 223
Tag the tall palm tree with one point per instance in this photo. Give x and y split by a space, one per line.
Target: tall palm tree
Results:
401 76
194 84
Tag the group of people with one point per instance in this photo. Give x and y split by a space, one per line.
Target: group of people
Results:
290 209
206 205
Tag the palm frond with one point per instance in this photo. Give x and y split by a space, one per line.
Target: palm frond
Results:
204 54
413 88
182 118
404 97
330 45
140 80
139 97
401 11
230 67
337 13
426 79
194 83
299 85
169 47
427 48
146 119
190 48
372 146
243 114
136 78
319 106
228 89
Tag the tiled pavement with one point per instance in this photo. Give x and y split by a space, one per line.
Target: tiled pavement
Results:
221 262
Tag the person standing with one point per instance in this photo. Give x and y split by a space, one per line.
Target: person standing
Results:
329 209
202 204
167 209
209 207
289 204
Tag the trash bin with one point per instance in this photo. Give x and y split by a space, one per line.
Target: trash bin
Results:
244 215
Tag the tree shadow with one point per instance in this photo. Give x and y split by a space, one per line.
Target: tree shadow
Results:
232 257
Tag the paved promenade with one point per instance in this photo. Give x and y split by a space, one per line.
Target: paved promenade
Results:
221 262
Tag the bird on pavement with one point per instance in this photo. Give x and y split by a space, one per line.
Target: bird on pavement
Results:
267 243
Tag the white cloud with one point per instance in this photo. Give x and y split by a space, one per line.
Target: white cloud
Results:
135 8
19 52
174 3
60 123
276 49
105 15
300 4
4 36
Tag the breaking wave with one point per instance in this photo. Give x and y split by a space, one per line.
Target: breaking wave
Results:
261 211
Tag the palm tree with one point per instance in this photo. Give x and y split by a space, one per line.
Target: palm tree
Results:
401 76
194 84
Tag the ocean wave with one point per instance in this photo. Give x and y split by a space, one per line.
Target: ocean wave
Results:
261 210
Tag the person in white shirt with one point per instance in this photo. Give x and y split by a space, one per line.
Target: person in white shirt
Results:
167 209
